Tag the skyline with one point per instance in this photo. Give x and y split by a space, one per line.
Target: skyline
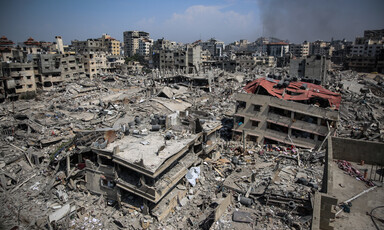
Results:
188 21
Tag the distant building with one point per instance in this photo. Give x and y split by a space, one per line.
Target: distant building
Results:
184 60
30 46
374 34
90 45
105 44
367 47
320 48
112 45
299 50
367 53
342 49
310 69
6 47
59 44
276 49
145 45
132 42
214 46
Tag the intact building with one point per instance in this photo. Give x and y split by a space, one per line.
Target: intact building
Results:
132 41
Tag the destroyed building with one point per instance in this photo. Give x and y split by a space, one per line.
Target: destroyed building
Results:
311 69
183 60
289 112
19 79
56 68
150 164
352 186
104 146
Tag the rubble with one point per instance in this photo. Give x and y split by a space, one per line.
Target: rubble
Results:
143 153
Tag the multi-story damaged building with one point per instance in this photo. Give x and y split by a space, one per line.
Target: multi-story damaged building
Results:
90 45
95 64
31 46
215 47
148 164
19 79
243 63
320 48
276 49
299 50
6 47
293 113
184 60
311 69
112 45
367 53
105 44
56 68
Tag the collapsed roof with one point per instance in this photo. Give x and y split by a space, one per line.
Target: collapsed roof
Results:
294 91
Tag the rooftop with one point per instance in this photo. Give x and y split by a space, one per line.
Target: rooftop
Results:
294 91
150 151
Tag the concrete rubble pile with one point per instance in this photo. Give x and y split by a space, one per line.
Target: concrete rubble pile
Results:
361 113
141 152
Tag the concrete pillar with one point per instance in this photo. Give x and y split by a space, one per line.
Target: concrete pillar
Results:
68 165
118 196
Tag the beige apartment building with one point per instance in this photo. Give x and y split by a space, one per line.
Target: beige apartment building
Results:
299 50
112 45
95 64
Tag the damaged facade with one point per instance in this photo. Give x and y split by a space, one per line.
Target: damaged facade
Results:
271 114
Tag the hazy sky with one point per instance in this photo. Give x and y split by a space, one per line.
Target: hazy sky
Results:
190 20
